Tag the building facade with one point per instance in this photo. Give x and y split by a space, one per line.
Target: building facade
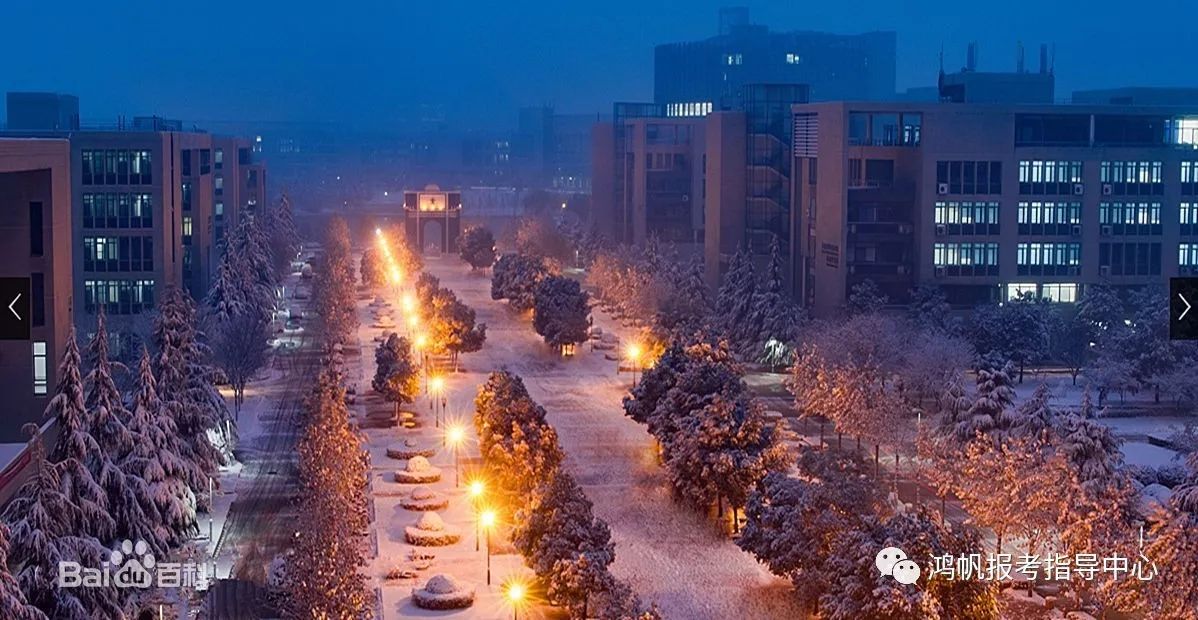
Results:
990 201
697 77
35 224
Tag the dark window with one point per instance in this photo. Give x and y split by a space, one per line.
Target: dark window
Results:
1052 129
185 162
205 161
243 156
35 229
37 293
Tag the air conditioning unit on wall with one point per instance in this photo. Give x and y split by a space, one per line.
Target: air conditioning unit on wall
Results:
942 189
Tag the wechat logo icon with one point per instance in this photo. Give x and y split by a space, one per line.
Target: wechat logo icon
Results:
893 562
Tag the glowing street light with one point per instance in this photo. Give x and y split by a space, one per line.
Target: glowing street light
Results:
436 387
634 356
516 591
409 303
378 232
456 436
486 519
476 489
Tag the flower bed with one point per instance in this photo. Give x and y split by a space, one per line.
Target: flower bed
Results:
431 531
409 448
424 499
418 471
443 592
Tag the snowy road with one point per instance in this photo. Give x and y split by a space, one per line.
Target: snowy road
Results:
670 555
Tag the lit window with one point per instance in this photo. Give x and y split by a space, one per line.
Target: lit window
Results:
40 381
219 209
1187 255
219 183
793 59
1065 293
1015 291
1185 131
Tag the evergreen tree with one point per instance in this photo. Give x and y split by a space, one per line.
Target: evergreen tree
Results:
734 302
155 461
76 455
476 246
773 316
866 298
930 310
396 376
128 498
686 310
47 526
560 311
13 604
186 388
995 396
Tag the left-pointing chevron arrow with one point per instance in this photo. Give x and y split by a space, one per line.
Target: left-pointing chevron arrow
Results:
13 303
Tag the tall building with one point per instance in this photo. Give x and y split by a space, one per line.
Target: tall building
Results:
35 111
149 206
969 85
35 224
989 201
696 77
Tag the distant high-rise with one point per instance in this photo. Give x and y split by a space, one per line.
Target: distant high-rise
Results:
42 112
696 77
1020 86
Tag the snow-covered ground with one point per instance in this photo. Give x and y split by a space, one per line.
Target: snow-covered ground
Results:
460 560
668 553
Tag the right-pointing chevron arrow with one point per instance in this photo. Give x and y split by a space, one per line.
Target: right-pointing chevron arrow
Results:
1187 310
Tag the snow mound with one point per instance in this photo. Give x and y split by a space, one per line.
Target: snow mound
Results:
442 592
431 521
431 531
442 584
424 498
410 449
418 464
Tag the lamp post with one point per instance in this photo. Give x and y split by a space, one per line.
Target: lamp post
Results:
487 519
436 387
476 490
634 356
515 596
456 436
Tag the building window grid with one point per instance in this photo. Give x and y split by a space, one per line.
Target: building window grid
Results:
1135 178
966 259
1130 218
970 177
119 297
118 254
116 167
1130 259
1048 258
1048 217
118 211
968 218
1187 255
1038 177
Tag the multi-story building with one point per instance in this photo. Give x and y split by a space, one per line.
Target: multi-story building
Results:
969 85
697 77
1139 95
652 182
35 224
989 201
26 111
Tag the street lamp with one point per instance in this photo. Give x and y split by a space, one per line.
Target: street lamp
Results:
409 303
476 490
634 356
436 387
515 595
456 436
487 520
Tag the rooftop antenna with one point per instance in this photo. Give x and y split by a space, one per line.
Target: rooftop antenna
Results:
971 56
1019 67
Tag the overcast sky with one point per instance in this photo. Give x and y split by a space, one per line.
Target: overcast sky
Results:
363 61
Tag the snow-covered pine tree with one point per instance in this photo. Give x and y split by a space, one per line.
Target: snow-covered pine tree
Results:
185 387
13 604
76 454
774 316
47 526
133 510
995 395
685 313
866 298
155 461
734 301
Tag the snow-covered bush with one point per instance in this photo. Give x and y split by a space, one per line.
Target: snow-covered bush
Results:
424 499
443 592
410 448
431 531
418 471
